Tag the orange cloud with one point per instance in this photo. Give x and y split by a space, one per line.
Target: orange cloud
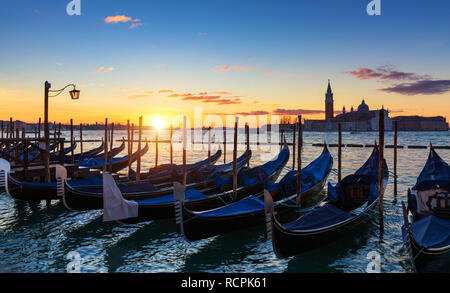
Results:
117 19
135 25
165 91
103 69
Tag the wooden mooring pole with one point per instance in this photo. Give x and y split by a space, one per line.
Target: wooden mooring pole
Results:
339 152
381 169
299 161
395 155
209 145
234 158
294 134
105 153
39 128
247 132
71 141
129 147
111 148
81 137
138 165
225 144
184 150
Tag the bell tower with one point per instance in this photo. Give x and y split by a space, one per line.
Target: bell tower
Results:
329 103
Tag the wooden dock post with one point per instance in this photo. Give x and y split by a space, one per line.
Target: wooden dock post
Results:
293 145
59 133
339 152
184 150
105 153
234 158
71 141
381 169
81 137
156 147
129 147
171 143
47 87
281 139
2 128
39 128
111 148
138 166
247 133
395 155
225 144
209 145
11 127
299 160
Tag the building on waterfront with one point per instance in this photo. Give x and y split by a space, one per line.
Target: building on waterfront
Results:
363 119
418 123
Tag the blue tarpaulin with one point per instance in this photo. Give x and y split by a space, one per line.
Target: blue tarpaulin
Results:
190 194
431 232
310 176
250 176
319 218
435 173
248 204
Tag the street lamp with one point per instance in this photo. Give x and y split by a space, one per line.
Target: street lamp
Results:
74 95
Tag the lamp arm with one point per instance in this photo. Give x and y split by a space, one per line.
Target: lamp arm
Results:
55 91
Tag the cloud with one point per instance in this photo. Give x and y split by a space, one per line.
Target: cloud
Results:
421 87
160 66
117 19
103 69
140 96
268 72
202 34
135 25
224 68
36 11
165 91
125 19
385 73
59 64
296 112
224 93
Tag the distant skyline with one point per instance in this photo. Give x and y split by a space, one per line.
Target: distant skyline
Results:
163 58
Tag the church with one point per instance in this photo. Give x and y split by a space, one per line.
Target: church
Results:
362 119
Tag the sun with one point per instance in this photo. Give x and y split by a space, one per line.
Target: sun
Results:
158 123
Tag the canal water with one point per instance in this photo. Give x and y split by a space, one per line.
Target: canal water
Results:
41 238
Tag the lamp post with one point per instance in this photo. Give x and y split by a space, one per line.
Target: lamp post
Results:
75 95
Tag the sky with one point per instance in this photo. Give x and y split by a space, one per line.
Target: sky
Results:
164 58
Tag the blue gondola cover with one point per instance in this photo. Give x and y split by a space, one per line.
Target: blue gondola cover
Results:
431 232
435 173
319 218
245 205
190 194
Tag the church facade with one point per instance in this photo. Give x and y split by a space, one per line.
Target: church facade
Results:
362 119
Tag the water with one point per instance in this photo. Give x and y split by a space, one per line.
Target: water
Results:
38 238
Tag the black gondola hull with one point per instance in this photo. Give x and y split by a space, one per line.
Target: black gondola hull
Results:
196 228
288 243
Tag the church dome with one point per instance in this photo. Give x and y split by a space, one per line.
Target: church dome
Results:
363 107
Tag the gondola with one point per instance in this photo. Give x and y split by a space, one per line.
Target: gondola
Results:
249 211
92 153
34 191
117 163
426 229
349 204
83 198
172 172
251 181
54 156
